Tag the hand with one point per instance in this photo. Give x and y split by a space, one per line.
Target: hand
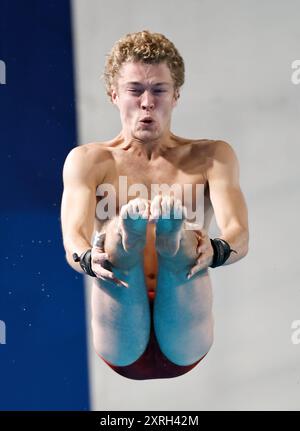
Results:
205 253
100 263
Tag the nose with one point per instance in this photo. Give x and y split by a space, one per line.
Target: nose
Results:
147 101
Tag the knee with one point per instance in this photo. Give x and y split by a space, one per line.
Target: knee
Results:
186 350
189 356
120 352
121 358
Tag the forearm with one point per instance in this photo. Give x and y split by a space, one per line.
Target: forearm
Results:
75 244
238 239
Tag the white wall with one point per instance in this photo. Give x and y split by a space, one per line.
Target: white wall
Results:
238 57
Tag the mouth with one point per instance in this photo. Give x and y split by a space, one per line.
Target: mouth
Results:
147 121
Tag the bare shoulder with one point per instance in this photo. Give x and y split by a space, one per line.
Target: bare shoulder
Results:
223 149
223 161
213 148
222 152
88 161
214 156
92 152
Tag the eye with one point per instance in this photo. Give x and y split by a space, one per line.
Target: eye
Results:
139 91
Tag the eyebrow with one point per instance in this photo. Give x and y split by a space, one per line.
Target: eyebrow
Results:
139 83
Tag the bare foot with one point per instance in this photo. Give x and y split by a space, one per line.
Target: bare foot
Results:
168 214
132 224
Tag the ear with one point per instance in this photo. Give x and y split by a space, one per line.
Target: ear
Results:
114 97
176 97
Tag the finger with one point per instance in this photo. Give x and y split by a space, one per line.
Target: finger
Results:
199 233
201 248
203 233
114 281
201 264
109 276
100 271
99 240
121 283
194 270
199 242
99 257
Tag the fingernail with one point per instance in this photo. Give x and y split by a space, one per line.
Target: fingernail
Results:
122 284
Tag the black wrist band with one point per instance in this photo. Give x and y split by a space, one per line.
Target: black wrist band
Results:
222 251
85 262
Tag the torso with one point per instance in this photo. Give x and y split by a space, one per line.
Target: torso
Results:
183 164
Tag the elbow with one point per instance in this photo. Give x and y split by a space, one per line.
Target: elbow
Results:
69 256
71 263
70 260
246 250
246 243
240 241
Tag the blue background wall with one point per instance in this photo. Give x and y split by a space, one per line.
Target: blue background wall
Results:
43 364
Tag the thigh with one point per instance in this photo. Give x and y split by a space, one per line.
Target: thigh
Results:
152 364
120 322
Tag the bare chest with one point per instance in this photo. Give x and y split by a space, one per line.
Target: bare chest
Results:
135 178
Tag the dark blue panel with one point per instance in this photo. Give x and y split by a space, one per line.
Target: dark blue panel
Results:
43 365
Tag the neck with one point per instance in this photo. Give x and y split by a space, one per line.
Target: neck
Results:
151 149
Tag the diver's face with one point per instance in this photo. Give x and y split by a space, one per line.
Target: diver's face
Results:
145 96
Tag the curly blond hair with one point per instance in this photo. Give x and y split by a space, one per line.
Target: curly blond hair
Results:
145 47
